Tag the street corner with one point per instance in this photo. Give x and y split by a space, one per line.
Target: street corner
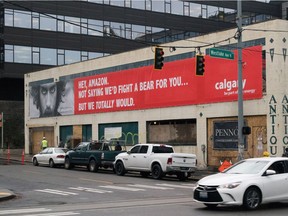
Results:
6 194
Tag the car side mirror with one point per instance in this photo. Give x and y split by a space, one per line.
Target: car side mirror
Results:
128 152
270 172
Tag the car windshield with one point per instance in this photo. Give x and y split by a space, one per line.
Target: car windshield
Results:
247 167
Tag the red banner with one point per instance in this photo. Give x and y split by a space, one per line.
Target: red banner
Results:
175 85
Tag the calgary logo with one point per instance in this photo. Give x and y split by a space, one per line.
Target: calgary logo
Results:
228 85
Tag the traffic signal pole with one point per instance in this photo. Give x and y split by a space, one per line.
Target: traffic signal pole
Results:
240 84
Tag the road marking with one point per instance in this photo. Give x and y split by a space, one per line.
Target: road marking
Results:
93 190
21 211
94 180
150 187
54 214
177 186
122 188
58 192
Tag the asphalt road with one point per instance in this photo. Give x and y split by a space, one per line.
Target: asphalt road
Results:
44 191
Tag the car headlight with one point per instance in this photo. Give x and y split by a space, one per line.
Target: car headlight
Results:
230 185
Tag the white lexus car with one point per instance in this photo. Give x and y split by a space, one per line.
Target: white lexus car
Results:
249 183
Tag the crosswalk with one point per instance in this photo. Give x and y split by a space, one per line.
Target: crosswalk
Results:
100 189
36 212
109 189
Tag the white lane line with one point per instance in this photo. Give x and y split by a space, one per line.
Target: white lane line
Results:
177 186
21 211
150 187
58 192
92 190
122 188
54 214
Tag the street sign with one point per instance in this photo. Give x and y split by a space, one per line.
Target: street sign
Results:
218 53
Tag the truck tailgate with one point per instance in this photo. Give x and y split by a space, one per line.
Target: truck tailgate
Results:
183 160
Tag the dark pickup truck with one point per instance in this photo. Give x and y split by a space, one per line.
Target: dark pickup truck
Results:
93 155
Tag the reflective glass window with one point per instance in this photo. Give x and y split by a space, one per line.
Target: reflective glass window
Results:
186 10
195 10
95 27
148 5
22 19
35 20
8 17
72 25
128 3
22 54
48 22
84 56
158 6
138 31
36 55
117 3
96 1
92 55
138 4
60 23
48 56
72 56
128 31
84 26
167 8
60 57
117 29
212 12
177 7
9 57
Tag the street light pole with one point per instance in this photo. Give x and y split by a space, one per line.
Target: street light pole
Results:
240 83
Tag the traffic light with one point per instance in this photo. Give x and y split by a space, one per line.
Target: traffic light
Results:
200 65
246 130
158 59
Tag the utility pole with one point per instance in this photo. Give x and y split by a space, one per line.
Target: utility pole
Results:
240 83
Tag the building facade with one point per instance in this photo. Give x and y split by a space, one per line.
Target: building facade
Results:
38 35
122 97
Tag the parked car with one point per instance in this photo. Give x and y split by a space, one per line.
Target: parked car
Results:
51 156
249 182
93 155
157 159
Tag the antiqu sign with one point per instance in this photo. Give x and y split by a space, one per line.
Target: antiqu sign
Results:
226 135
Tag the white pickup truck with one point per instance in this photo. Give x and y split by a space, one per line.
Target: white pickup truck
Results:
157 159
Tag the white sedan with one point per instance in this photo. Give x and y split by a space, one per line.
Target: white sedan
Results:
249 183
50 156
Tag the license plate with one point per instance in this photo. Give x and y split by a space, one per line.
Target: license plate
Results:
203 194
184 168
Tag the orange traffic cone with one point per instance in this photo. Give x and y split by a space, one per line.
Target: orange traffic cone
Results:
23 157
8 155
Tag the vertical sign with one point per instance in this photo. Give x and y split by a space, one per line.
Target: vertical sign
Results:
1 125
